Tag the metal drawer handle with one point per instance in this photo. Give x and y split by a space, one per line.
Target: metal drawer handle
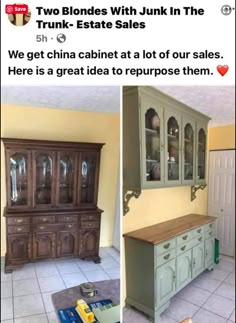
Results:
44 219
167 256
210 225
194 262
70 226
198 231
18 229
200 239
41 228
166 246
67 218
183 248
18 220
210 233
185 237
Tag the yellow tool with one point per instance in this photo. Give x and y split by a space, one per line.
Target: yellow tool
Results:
84 311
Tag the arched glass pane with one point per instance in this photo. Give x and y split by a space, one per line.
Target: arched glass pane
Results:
66 182
173 149
43 179
201 154
18 173
188 151
152 135
88 177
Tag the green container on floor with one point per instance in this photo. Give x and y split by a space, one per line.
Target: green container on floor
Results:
217 251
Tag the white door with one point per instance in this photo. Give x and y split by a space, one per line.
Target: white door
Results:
221 197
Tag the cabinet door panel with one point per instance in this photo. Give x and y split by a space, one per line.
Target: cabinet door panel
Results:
66 178
201 154
183 269
66 244
152 143
44 179
173 148
209 252
198 260
44 245
89 243
188 151
18 178
88 178
19 247
165 282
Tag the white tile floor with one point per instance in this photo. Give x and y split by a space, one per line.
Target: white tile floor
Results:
210 298
26 293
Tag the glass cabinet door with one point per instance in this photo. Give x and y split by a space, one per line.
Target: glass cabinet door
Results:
201 155
18 182
66 174
153 172
88 173
43 173
173 149
188 169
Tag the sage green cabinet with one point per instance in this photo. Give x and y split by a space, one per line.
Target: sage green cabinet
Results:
184 269
164 141
198 260
165 282
209 252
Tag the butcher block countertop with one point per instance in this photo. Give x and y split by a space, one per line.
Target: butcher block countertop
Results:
157 233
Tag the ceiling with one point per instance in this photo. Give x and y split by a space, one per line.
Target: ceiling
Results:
218 102
215 101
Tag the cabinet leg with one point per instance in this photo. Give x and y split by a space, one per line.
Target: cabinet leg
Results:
97 260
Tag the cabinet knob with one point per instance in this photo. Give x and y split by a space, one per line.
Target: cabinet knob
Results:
70 226
194 262
167 256
183 248
210 233
199 230
44 219
18 220
41 227
166 246
211 225
200 239
19 229
185 237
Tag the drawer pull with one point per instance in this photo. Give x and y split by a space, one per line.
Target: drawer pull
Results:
200 239
67 218
198 231
185 237
194 262
183 248
18 229
166 246
210 225
167 256
41 228
70 226
18 220
44 219
210 233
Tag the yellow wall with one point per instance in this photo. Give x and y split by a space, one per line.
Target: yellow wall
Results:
68 125
222 137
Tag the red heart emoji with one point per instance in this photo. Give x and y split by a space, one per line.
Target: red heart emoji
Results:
222 69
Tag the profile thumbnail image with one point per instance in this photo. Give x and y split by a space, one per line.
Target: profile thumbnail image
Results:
18 19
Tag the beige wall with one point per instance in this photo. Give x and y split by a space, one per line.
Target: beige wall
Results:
159 205
68 125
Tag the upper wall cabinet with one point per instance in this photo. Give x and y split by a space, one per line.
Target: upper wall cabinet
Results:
164 141
50 174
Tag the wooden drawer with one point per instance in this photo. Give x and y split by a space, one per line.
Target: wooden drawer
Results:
165 257
184 247
209 226
165 246
184 237
44 219
90 225
54 227
18 228
198 231
66 218
90 217
209 234
18 220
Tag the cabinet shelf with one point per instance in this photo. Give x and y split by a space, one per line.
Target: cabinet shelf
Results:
151 131
152 161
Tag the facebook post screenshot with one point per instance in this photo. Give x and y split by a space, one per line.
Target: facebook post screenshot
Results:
118 161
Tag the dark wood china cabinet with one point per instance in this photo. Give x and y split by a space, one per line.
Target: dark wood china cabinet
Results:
51 210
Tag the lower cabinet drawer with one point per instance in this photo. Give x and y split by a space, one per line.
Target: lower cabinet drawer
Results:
90 225
209 234
165 257
54 227
184 247
184 237
66 218
165 246
18 228
90 217
44 219
18 220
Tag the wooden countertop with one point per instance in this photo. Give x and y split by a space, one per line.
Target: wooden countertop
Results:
163 231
